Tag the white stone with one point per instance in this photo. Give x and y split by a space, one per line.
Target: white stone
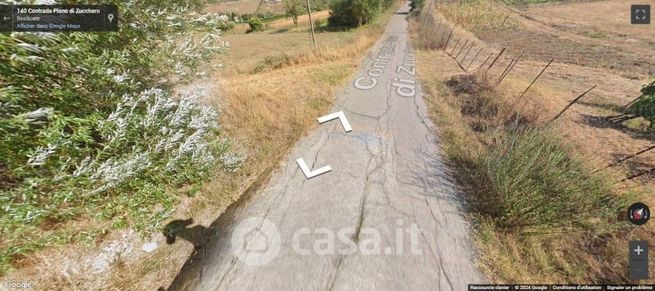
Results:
149 247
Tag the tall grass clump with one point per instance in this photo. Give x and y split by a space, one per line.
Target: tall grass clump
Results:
541 214
525 179
426 25
91 130
531 182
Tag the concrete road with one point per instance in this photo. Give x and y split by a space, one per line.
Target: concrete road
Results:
387 217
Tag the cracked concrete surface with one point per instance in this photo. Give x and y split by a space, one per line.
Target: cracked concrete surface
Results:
387 174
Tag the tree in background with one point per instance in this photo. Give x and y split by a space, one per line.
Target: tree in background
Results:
353 13
293 9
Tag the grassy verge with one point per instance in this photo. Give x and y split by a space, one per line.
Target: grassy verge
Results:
541 214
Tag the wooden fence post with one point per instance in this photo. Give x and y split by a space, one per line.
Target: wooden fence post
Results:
502 77
485 61
571 104
535 79
455 47
626 158
449 36
462 49
467 52
496 59
474 58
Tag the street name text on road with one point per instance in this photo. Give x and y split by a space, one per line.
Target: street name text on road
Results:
380 63
406 87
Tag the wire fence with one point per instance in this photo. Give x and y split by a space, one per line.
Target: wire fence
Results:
475 57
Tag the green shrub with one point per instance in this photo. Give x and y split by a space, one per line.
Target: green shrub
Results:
645 106
255 24
319 5
273 62
90 127
319 23
293 9
353 13
530 182
417 5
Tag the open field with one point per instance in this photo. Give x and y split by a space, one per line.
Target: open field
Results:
593 34
245 7
303 21
266 45
592 45
271 89
606 17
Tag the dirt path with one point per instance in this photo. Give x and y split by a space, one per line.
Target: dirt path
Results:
387 217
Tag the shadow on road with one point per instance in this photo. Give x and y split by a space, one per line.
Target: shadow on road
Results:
208 241
196 235
204 240
180 228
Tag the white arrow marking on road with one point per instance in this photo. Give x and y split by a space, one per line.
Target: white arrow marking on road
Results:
342 118
309 173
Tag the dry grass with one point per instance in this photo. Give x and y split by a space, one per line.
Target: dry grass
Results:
245 7
270 104
292 47
476 15
270 110
506 257
538 260
303 21
576 69
606 17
